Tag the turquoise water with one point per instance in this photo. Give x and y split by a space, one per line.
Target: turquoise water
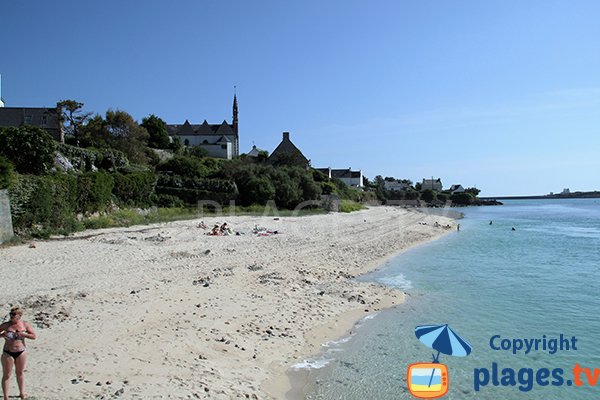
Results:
541 279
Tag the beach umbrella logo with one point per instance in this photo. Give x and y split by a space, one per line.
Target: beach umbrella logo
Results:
431 380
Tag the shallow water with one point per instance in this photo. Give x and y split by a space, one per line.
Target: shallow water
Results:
541 279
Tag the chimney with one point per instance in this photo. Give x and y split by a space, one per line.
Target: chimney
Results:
286 136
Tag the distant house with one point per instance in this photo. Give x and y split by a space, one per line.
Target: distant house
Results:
45 118
288 154
456 189
349 177
254 152
41 117
395 186
433 184
219 140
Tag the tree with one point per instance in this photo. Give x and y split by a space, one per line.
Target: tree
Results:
71 117
262 156
30 149
257 190
157 129
126 135
185 166
94 133
473 191
196 151
462 198
428 195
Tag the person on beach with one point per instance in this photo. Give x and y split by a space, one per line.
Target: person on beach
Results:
225 229
14 332
458 227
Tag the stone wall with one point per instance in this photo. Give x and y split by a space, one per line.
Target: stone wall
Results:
6 228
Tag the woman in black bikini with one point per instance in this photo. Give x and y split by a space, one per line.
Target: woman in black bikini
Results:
14 332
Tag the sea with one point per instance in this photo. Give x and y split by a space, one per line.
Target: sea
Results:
497 288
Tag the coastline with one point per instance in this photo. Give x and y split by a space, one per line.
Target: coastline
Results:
290 384
166 310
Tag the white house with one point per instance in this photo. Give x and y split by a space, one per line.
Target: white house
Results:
456 189
349 177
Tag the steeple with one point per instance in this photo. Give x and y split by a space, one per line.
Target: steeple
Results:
235 112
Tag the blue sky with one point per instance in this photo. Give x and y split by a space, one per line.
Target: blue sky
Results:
504 95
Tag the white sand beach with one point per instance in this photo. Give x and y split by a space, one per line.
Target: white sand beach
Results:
165 311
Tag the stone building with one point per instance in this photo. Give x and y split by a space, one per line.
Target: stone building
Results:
286 153
219 140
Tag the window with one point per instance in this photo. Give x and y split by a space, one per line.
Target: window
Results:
223 146
28 119
44 119
186 142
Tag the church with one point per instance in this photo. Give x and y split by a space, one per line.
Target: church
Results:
219 140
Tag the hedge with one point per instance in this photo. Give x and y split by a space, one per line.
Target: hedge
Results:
94 192
134 189
43 204
7 173
193 196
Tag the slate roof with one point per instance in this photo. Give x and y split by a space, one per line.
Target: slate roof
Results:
288 152
254 152
344 173
187 129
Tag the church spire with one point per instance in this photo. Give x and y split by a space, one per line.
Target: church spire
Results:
235 112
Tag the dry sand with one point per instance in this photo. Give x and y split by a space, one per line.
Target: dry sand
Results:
165 311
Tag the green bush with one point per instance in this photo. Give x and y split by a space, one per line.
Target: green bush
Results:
193 196
349 206
134 189
462 198
257 183
411 195
30 149
7 173
94 192
428 195
185 166
443 197
112 159
192 190
258 190
167 201
41 205
328 188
